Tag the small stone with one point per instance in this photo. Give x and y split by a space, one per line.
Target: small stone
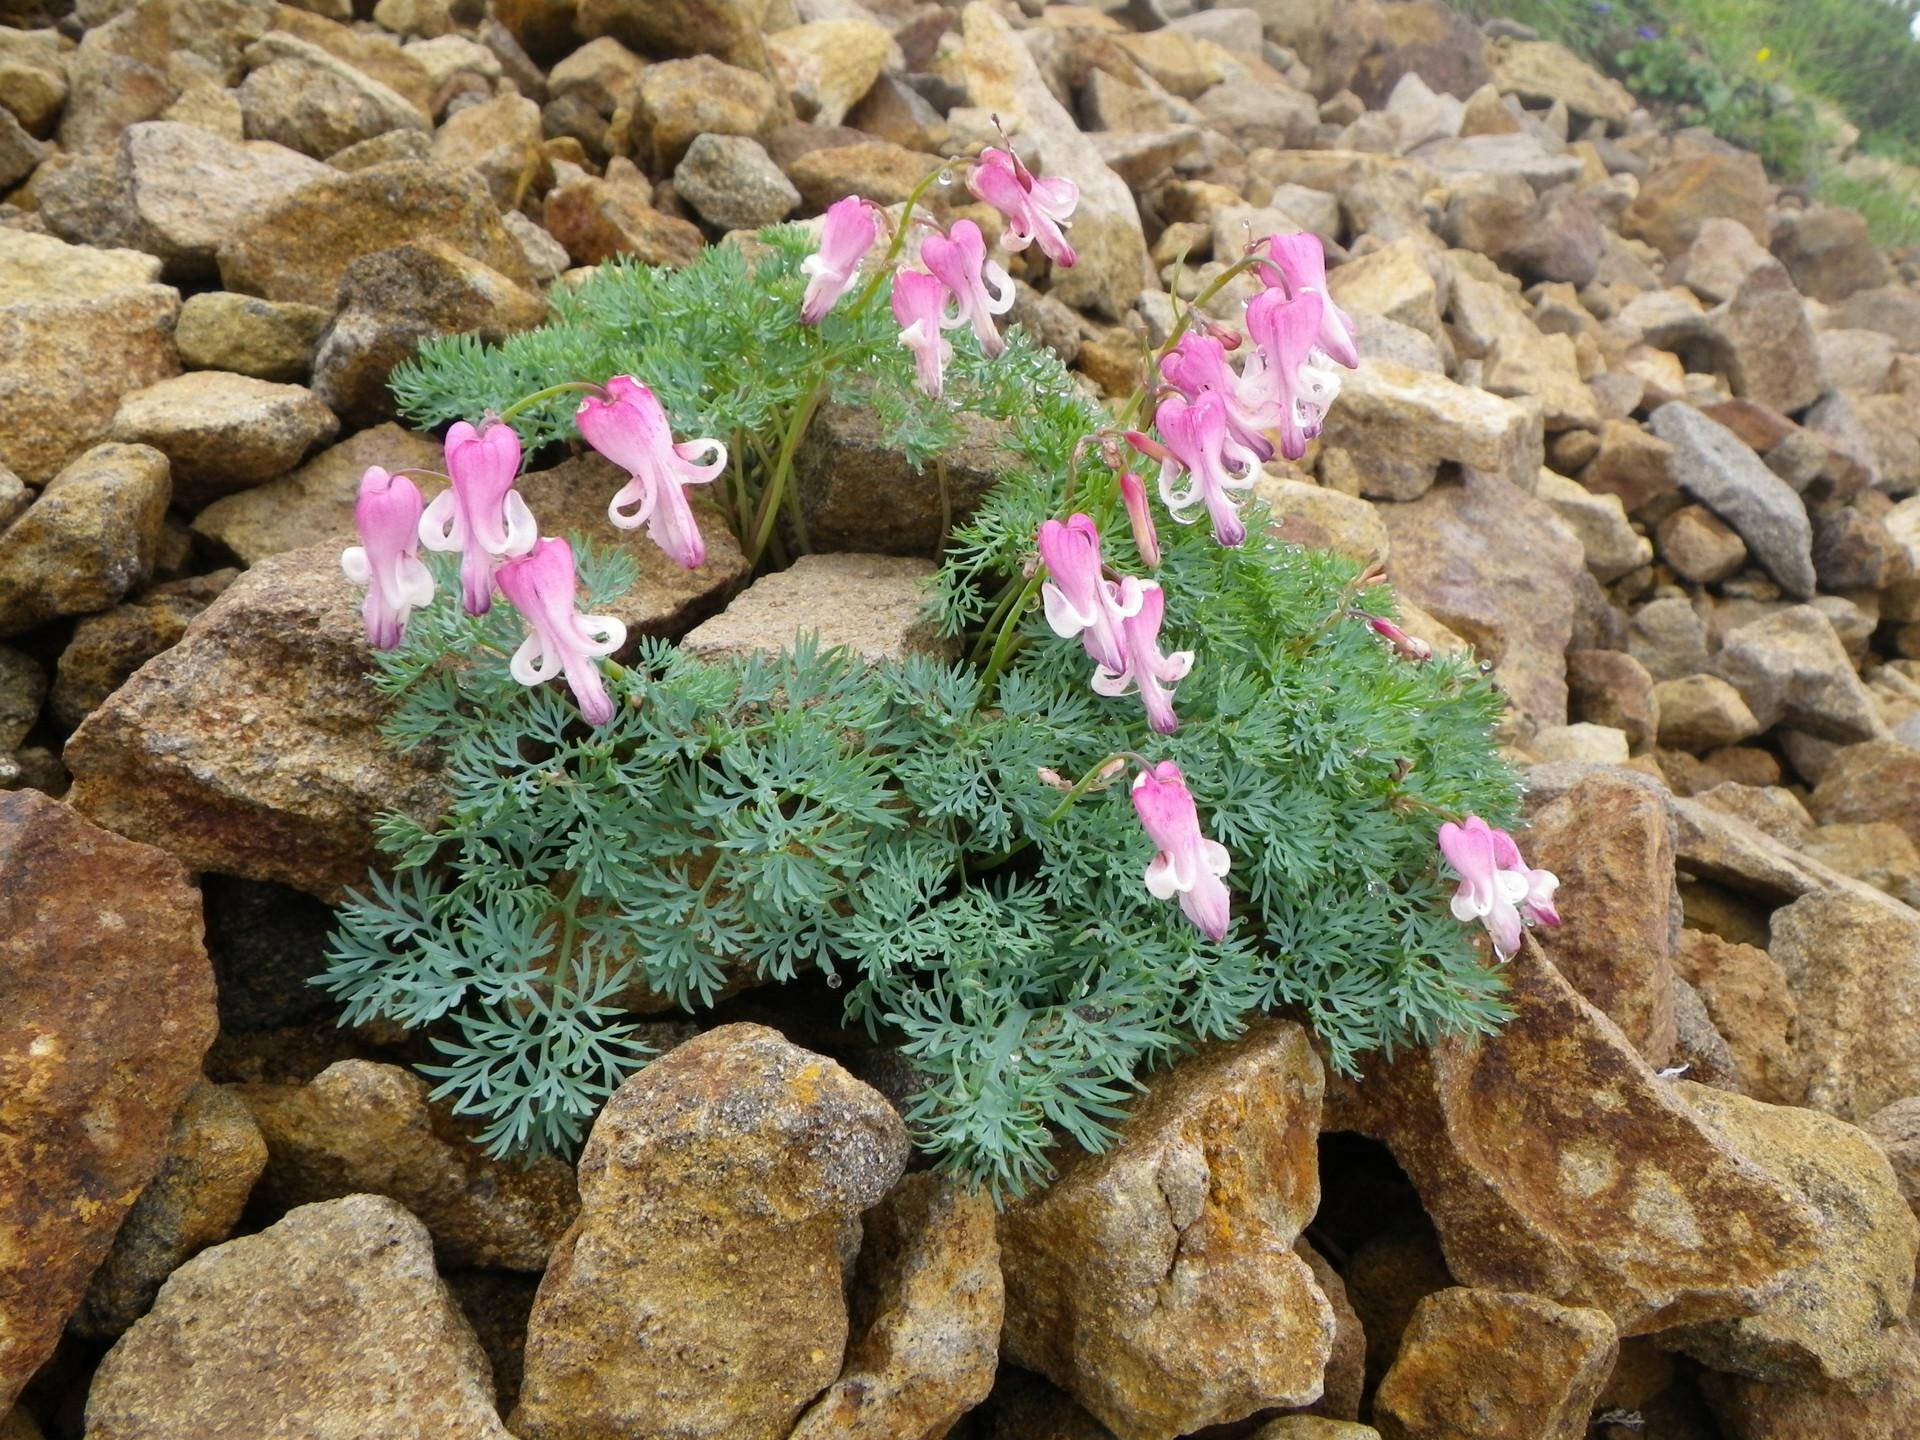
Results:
1711 463
188 189
882 172
1610 687
1633 463
453 59
730 29
1669 638
1766 342
1702 1050
1723 257
223 432
268 340
1584 743
1679 196
300 96
23 687
1791 668
1495 325
499 139
1896 1130
1396 282
680 100
1830 253
596 219
1703 712
1315 1427
33 75
89 538
1857 360
1700 546
828 65
734 185
871 605
415 146
1612 547
330 1322
106 649
1255 114
1543 72
602 72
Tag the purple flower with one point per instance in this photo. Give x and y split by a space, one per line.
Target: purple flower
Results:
920 305
1078 598
1300 267
1146 539
979 287
387 559
630 428
1189 865
1496 885
1199 363
1035 208
1154 675
542 587
846 237
1195 435
481 515
1646 32
1293 392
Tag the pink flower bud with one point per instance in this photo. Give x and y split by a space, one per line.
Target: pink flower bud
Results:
387 559
845 239
920 304
1146 539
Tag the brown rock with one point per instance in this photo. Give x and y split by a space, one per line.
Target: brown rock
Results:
1791 669
1877 852
1156 1283
1896 1130
223 432
872 605
1753 1410
1343 1384
108 1009
1610 687
331 1323
596 220
1830 253
1633 463
303 97
500 139
1703 712
1699 545
107 648
1387 1277
884 172
699 1294
1323 519
1767 343
1676 198
1879 780
730 29
1314 1427
678 101
132 67
1495 1366
89 538
1700 1051
1402 424
266 339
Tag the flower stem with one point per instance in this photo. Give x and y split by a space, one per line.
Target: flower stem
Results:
771 497
1009 633
528 401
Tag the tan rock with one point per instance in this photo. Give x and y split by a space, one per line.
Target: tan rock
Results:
596 220
1397 282
303 97
1542 71
1699 545
1323 519
1611 545
1677 197
1402 423
1791 668
268 340
730 29
1496 326
700 1292
828 65
1896 1130
1314 1427
1156 1282
878 169
109 1009
88 538
1879 780
500 139
678 101
42 267
1877 852
871 605
1610 687
1702 712
223 432
187 189
1633 463
1344 1382
1753 1410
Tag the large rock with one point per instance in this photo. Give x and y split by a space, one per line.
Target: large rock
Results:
1791 668
1837 1318
1754 1410
223 432
1554 1161
700 1293
1879 780
1157 1282
1494 565
1830 253
106 1008
1746 997
188 189
730 29
1676 198
1712 464
871 605
1401 424
1767 343
300 96
1542 71
329 1325
89 537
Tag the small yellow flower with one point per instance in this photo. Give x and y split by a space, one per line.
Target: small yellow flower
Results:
1763 54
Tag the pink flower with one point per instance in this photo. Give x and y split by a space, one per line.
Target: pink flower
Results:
1495 883
1189 865
630 428
1146 669
1146 539
1537 904
481 515
1198 364
846 237
1035 208
1197 441
387 559
919 304
980 288
1301 261
1079 600
1289 391
1408 645
542 587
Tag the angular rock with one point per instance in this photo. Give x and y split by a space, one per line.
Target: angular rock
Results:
871 605
300 96
1768 346
188 189
1494 325
1610 687
1600 523
1315 1427
1703 712
733 183
597 219
1830 253
90 537
1544 72
223 432
828 65
1401 424
1791 668
699 1294
730 29
23 686
331 1322
680 100
1699 545
1710 463
1722 258
269 340
135 65
1496 1366
1323 519
1753 1410
1896 1130
602 72
1680 195
41 267
1669 638
883 172
33 75
107 648
1632 463
109 1009
1878 852
1156 1283
1879 780
1396 282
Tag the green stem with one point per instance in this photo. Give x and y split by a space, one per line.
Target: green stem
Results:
885 267
526 401
1213 287
782 471
1094 777
1009 632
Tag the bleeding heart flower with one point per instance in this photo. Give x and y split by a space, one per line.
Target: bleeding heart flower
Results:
1078 598
845 239
980 288
387 559
1154 675
543 588
1035 208
1198 443
1291 392
1301 264
481 515
1189 865
1199 364
920 305
1495 883
629 426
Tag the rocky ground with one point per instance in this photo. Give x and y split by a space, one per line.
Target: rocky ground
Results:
1636 425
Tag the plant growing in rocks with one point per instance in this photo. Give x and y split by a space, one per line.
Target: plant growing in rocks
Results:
1180 773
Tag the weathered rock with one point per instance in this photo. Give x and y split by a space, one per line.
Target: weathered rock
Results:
135 65
89 538
1397 282
1830 253
1791 668
107 648
1722 258
1400 424
1877 852
1496 1366
300 96
871 605
1710 462
1494 325
730 29
1879 780
678 101
213 1158
331 1323
1256 113
926 1310
1896 1130
1314 1427
1542 71
364 1128
1632 463
597 219
828 65
1699 545
1768 346
188 189
1703 712
269 340
1754 1410
42 267
1669 638
1606 1192
108 1010
733 183
1344 1382
1323 519
1600 523
1702 1051
1836 1318
33 75
885 173
699 1294
1676 198
23 686
1156 1282
1890 309
223 432
1610 687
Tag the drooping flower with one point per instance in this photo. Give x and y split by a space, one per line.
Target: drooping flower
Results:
1301 262
1292 392
920 304
846 237
1035 208
1198 443
1189 864
541 585
630 428
387 559
980 288
1410 646
1199 364
1078 599
481 515
1495 884
1146 538
1538 903
1154 675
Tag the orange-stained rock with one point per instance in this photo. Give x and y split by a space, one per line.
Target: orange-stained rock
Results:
1345 1380
1752 1410
700 1293
1497 1367
1747 998
1896 1130
106 1008
1156 1283
1554 1161
1386 1279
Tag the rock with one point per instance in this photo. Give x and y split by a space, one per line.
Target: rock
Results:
1890 309
1700 546
872 605
33 75
680 100
1830 253
363 1128
1854 967
1001 76
223 432
730 29
1711 463
1552 237
1752 1410
300 96
1314 1427
331 1322
1255 113
107 648
882 172
1893 440
926 1309
596 219
213 1158
188 189
23 686
1343 1384
1519 156
392 302
1700 1051
1610 687
1448 545
268 340
41 267
1669 638
499 139
1878 853
20 153
1767 344
1402 424
1791 668
1677 197
1610 842
1723 257
300 248
89 538
1156 1283
135 65
1496 1366
1836 1319
699 1293
1599 522
1604 1191
109 1008
1543 72
1494 325
1703 712
64 363
602 72
1858 360
1396 282
1632 463
828 65
733 184
1323 519
1896 1130
1853 551
1387 1276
